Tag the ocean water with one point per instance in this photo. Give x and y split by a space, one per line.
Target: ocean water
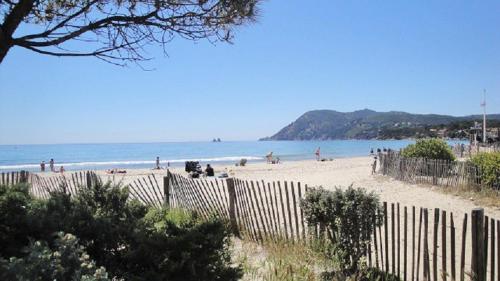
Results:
143 155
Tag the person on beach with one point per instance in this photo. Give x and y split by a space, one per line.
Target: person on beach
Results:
318 155
374 165
116 171
61 170
209 171
269 157
51 164
157 163
42 166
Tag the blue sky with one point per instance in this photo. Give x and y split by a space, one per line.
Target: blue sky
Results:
415 56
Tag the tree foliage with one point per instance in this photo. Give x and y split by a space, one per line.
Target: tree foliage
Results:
430 149
348 218
116 30
129 240
67 261
489 167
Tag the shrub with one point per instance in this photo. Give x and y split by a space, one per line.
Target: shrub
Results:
489 167
348 217
178 245
67 261
429 148
121 234
14 227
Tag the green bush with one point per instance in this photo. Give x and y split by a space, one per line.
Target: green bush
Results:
15 203
125 237
67 261
348 219
489 167
430 149
178 245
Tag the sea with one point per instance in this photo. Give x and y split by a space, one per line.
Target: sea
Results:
143 155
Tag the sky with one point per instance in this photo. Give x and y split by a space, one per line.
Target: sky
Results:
413 56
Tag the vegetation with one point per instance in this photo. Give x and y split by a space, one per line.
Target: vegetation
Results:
67 261
107 228
369 124
429 148
489 167
115 31
347 218
280 261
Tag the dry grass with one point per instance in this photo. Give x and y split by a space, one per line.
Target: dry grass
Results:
484 197
278 261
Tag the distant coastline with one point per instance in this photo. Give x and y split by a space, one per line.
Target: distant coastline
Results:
367 124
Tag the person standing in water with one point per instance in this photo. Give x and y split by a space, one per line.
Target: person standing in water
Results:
157 163
317 153
51 164
42 166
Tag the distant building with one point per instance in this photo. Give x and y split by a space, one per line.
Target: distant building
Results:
476 134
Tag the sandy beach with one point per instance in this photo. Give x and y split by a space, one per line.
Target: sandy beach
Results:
340 172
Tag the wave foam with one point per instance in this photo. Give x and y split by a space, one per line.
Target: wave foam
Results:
134 162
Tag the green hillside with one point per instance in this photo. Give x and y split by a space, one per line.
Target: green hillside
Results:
369 124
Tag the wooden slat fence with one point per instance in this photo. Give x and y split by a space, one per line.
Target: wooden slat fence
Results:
412 243
430 171
14 177
71 183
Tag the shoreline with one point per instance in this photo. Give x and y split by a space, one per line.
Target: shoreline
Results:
142 156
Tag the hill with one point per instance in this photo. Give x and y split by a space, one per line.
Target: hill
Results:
367 124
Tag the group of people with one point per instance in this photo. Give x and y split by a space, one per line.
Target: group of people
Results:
271 160
157 164
375 157
51 166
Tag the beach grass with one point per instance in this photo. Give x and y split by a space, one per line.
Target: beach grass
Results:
279 261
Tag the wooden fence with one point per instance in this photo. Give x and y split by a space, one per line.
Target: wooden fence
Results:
412 243
429 171
257 210
14 177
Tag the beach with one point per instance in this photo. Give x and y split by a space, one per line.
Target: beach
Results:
340 172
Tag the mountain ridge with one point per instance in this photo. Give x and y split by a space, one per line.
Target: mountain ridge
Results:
328 124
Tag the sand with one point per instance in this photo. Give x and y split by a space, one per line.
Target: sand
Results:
340 172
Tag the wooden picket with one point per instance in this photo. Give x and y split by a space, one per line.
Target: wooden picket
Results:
430 171
271 211
410 243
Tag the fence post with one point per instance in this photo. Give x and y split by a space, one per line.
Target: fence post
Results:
166 190
23 178
232 206
434 172
89 179
477 264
